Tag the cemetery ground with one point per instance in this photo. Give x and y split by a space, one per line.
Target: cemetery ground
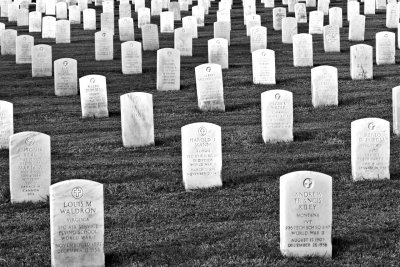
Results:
149 218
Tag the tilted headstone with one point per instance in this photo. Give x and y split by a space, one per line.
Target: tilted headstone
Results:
65 77
361 63
201 155
49 27
385 48
278 14
89 19
167 22
35 21
74 15
331 38
42 61
289 28
23 52
335 16
77 223
263 62
131 57
93 90
324 86
218 52
370 149
392 15
300 12
63 31
107 22
357 28
306 214
137 119
396 110
316 23
8 42
6 123
23 17
190 24
144 16
258 38
302 50
183 41
209 86
168 69
150 37
277 116
126 29
30 167
222 29
104 46
61 10
353 9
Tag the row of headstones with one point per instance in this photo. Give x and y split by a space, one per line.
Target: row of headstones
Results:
77 217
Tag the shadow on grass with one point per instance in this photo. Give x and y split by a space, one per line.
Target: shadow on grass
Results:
239 107
340 245
115 113
300 136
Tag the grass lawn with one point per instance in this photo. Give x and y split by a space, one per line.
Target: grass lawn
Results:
149 218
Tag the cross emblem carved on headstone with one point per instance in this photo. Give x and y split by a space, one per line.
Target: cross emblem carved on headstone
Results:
307 183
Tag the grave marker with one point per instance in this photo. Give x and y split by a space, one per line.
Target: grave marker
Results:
104 46
324 86
302 50
150 37
168 69
6 123
218 52
65 77
93 90
331 38
131 57
42 61
361 62
23 52
209 87
385 48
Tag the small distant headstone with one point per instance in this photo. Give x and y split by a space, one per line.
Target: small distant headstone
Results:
396 110
23 53
12 12
143 16
190 24
104 46
108 6
42 61
380 4
357 28
89 19
167 22
83 4
300 12
353 9
306 214
278 14
324 86
316 23
361 62
289 28
49 27
30 166
61 10
75 15
137 119
156 7
370 149
77 223
331 38
291 4
65 77
63 32
222 29
6 123
392 15
174 8
8 42
138 4
224 15
107 22
252 21
269 3
335 16
209 86
131 57
263 62
23 17
183 41
218 52
125 11
201 155
168 69
258 38
35 21
385 48
126 29
302 50
93 90
50 7
369 7
150 37
323 6
198 12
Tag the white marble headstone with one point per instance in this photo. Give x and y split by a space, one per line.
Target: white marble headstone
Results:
278 14
183 41
42 61
370 149
23 52
89 19
392 15
35 21
126 29
150 37
222 29
218 52
131 57
209 86
316 23
300 12
332 38
93 90
8 42
357 28
107 22
48 27
324 86
104 46
63 31
23 17
263 64
289 28
201 155
335 16
396 109
302 50
385 48
65 77
167 22
6 123
361 62
168 69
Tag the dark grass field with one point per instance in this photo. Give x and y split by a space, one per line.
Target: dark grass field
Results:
149 218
